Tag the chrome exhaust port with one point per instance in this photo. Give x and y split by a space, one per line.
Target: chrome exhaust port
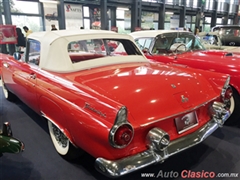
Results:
157 139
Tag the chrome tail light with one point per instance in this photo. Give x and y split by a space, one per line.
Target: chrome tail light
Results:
122 132
227 91
158 139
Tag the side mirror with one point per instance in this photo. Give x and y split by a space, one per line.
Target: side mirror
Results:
145 51
17 55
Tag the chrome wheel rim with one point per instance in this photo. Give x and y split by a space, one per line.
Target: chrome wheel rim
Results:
60 141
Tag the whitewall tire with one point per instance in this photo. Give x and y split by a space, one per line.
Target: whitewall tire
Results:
7 94
62 144
234 108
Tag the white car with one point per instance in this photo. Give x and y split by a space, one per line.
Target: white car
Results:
212 40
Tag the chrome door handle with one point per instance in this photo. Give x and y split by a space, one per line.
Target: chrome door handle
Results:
33 76
6 65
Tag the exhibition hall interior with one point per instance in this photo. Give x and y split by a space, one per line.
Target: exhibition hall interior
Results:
119 89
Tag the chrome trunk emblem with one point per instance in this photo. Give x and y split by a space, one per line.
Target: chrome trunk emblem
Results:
184 99
88 106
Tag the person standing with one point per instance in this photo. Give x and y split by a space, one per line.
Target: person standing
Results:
21 40
53 27
196 31
27 31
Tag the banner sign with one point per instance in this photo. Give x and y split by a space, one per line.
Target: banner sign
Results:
8 34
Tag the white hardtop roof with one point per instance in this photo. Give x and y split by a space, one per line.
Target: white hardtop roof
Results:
227 25
54 54
153 33
207 33
50 36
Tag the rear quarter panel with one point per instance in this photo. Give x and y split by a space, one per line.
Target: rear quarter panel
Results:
65 104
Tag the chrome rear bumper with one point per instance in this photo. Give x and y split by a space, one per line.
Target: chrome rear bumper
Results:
117 168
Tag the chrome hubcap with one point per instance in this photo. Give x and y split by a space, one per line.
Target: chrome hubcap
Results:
60 137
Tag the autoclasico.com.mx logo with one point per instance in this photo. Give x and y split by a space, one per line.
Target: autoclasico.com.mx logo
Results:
188 174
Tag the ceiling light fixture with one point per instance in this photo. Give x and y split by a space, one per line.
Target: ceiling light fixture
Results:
123 8
49 1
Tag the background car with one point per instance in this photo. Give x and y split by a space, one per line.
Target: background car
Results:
9 144
122 109
229 34
183 47
212 40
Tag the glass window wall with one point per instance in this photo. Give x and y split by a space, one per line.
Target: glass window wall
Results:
123 20
33 23
86 18
24 7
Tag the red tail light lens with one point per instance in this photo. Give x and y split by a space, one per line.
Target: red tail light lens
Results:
123 135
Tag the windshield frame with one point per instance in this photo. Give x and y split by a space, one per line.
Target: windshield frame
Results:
191 42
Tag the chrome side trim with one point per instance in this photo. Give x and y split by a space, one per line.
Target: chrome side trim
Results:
120 167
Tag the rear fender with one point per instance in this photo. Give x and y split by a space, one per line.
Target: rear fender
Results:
51 111
217 80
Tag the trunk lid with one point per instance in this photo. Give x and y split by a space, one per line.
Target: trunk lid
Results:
149 91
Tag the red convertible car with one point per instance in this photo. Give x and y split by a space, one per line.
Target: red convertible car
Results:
182 47
124 110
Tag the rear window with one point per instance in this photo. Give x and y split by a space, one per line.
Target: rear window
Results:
228 31
90 49
33 53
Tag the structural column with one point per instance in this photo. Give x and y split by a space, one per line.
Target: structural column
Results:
61 14
113 15
41 9
235 20
226 15
136 14
161 15
199 14
104 16
214 14
8 20
182 15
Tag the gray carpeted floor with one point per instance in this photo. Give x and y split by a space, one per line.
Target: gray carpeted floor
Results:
220 153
